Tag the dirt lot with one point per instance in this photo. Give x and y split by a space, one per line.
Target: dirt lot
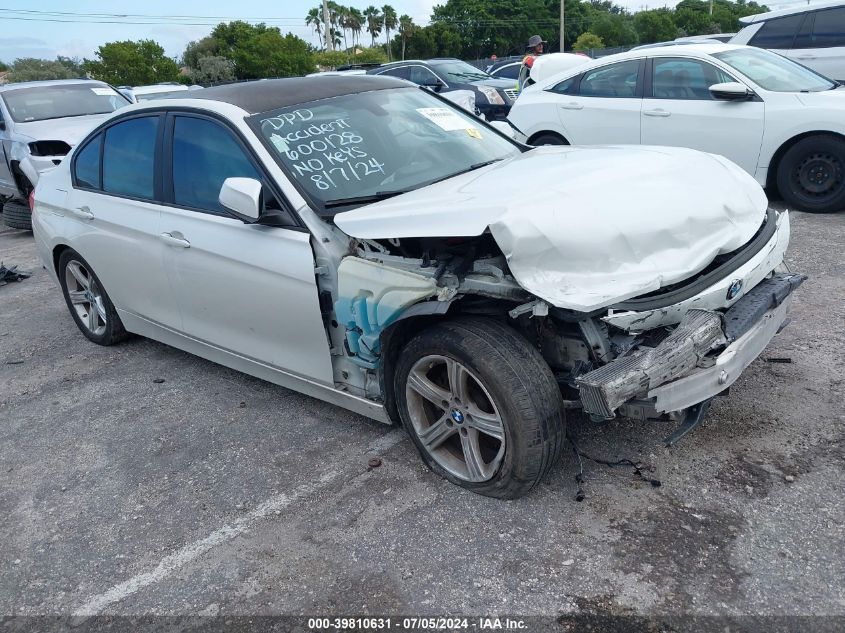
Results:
212 492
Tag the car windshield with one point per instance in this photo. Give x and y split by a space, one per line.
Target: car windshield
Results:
458 71
58 101
353 149
773 72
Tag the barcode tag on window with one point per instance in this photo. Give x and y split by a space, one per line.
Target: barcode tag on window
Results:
443 118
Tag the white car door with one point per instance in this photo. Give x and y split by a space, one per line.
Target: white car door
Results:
820 43
678 110
114 205
602 106
246 288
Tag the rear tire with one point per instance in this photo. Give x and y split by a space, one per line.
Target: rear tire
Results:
89 305
17 215
481 405
548 138
811 174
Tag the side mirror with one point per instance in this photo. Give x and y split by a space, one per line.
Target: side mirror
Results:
436 85
242 197
2 125
731 91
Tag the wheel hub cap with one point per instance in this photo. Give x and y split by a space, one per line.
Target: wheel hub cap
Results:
455 419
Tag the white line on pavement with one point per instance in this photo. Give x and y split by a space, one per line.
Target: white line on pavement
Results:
182 557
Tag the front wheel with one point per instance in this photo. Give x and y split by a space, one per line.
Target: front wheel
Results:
481 406
548 138
811 174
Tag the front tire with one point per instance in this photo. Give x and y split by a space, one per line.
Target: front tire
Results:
811 174
89 305
481 405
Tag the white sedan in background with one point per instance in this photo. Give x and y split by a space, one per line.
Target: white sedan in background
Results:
781 122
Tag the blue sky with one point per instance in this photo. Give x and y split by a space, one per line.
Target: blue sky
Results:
24 31
33 37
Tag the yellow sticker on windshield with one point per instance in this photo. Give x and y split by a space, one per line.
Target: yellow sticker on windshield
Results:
473 132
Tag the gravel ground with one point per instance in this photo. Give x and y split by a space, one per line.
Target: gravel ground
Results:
216 493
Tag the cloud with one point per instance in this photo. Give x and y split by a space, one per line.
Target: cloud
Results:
12 48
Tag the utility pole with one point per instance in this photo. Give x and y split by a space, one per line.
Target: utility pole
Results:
711 7
327 23
561 25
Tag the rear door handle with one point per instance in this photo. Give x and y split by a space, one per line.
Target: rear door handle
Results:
572 105
83 213
167 238
657 112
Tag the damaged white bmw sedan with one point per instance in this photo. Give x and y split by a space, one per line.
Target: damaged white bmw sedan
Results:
367 243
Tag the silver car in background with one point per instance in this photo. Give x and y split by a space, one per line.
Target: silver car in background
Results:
39 123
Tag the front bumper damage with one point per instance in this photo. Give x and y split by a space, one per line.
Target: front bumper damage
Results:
702 357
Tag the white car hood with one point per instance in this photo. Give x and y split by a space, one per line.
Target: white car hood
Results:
71 130
585 227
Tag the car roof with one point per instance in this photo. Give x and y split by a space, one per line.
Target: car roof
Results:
271 94
154 88
50 82
803 8
701 48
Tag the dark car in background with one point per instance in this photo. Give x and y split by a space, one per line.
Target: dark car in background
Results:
507 68
493 97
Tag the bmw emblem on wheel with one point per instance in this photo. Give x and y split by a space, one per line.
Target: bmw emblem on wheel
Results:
457 416
734 288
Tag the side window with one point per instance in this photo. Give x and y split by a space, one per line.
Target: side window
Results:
678 78
87 165
204 155
422 76
777 33
565 87
402 72
829 30
614 80
511 71
129 158
804 39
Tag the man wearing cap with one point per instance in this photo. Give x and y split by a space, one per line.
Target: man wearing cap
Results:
534 49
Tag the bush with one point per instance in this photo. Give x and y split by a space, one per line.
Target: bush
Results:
587 41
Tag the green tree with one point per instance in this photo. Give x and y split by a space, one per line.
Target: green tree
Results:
355 20
32 69
314 19
260 51
587 41
132 63
406 31
374 22
389 19
212 69
330 59
614 29
655 26
371 56
206 47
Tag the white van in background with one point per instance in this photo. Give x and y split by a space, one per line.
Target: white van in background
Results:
812 35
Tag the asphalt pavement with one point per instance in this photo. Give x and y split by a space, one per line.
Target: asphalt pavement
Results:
137 479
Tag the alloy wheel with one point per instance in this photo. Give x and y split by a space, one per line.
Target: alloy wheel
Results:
455 418
86 297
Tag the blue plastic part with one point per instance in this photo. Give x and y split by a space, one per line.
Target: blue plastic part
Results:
362 336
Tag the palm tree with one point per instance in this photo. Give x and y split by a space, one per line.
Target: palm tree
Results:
389 17
373 16
342 15
314 20
406 30
355 21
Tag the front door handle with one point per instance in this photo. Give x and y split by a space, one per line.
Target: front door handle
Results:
572 105
167 238
83 213
657 112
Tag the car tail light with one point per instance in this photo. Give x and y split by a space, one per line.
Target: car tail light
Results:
31 199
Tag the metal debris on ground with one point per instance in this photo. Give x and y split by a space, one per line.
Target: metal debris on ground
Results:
11 274
775 359
374 462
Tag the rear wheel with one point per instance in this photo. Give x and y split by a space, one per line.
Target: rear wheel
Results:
548 138
481 406
89 305
811 174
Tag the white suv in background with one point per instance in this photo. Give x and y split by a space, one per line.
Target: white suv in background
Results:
811 35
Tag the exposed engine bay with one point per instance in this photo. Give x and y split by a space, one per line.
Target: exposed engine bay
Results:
609 361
